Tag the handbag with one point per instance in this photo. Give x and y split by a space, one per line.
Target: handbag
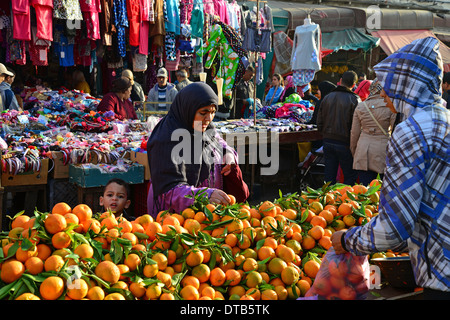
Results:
373 118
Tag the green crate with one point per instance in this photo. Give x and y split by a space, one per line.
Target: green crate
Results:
88 177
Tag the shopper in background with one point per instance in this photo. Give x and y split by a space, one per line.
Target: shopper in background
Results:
182 78
334 121
137 93
118 100
371 128
8 99
244 92
206 164
79 82
163 93
363 89
289 88
414 208
275 91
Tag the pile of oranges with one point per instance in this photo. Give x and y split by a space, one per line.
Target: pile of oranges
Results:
271 251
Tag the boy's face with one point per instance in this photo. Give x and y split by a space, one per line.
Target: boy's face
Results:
115 198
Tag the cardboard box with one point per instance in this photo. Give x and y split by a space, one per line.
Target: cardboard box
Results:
88 177
141 158
27 178
60 171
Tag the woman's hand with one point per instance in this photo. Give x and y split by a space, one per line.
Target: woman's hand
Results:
336 242
229 162
219 197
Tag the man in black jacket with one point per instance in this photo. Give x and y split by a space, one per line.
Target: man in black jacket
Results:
334 121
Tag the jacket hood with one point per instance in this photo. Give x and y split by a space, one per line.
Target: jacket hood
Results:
412 76
4 86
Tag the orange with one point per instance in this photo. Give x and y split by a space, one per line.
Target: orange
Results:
144 220
125 226
84 251
137 289
161 260
235 226
130 236
292 294
20 221
27 296
95 293
61 240
325 242
281 292
53 263
109 222
152 229
55 223
208 292
170 220
349 220
202 272
290 275
11 270
276 265
311 268
294 245
153 291
91 224
51 288
267 208
188 213
217 277
189 293
165 278
231 239
136 227
192 226
232 198
15 233
327 215
233 276
132 260
200 216
249 264
123 268
304 286
269 294
316 232
266 252
150 270
167 296
194 257
114 296
345 209
108 271
254 293
77 289
271 242
290 214
286 253
34 265
359 189
347 293
83 212
319 221
24 255
331 208
253 279
31 234
61 208
316 207
190 280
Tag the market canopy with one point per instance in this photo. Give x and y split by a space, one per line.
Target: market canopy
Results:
392 40
349 39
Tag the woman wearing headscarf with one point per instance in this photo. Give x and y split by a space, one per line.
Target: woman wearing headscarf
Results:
289 88
414 207
187 156
118 100
363 89
371 127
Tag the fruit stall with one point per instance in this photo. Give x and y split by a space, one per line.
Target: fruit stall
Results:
274 250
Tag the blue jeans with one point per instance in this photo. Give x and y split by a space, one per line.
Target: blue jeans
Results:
335 155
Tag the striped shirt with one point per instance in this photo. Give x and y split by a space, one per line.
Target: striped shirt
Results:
414 210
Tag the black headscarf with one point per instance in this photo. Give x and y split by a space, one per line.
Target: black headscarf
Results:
165 172
325 88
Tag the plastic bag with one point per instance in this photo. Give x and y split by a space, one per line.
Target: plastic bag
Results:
341 277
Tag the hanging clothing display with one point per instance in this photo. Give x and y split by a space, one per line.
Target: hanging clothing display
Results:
306 58
133 12
91 10
120 21
67 10
44 18
21 20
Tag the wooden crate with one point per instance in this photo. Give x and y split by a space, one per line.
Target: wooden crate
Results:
27 178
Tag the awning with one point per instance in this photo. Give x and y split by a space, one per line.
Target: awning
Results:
392 40
349 39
